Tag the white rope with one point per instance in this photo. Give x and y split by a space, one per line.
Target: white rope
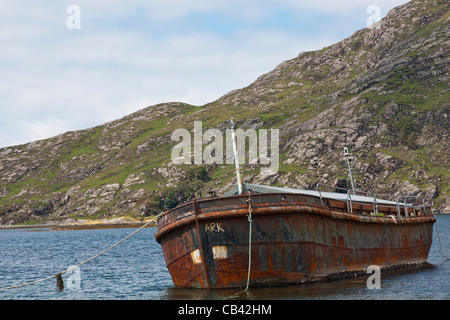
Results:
84 262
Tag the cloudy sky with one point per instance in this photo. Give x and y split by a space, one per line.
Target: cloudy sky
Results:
70 65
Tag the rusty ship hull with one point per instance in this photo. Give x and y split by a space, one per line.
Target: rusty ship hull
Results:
295 238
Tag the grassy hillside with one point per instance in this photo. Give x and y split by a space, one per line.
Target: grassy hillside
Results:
384 93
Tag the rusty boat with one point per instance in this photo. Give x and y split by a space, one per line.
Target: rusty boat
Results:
277 236
258 235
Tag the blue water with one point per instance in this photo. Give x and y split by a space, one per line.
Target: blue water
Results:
136 270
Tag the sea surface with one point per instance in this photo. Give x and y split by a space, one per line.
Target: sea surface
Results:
136 270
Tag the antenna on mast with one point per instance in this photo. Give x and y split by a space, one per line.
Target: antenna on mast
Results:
236 159
346 154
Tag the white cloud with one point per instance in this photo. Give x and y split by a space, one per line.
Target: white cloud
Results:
131 54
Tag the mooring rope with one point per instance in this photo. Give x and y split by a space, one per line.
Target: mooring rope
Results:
249 248
440 242
84 262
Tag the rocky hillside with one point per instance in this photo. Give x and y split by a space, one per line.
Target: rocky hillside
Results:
383 93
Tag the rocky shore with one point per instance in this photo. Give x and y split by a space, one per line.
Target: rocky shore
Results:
83 224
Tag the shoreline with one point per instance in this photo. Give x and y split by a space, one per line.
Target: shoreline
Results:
84 224
87 224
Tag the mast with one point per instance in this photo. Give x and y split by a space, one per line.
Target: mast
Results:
236 159
346 154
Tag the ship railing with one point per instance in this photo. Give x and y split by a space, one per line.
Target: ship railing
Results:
405 206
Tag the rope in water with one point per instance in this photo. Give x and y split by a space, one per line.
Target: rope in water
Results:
439 237
84 262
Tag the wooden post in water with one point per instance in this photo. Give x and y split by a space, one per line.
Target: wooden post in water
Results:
59 282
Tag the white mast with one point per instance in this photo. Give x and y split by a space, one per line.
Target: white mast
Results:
236 159
346 154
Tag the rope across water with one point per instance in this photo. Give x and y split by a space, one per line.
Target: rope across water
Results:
84 262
